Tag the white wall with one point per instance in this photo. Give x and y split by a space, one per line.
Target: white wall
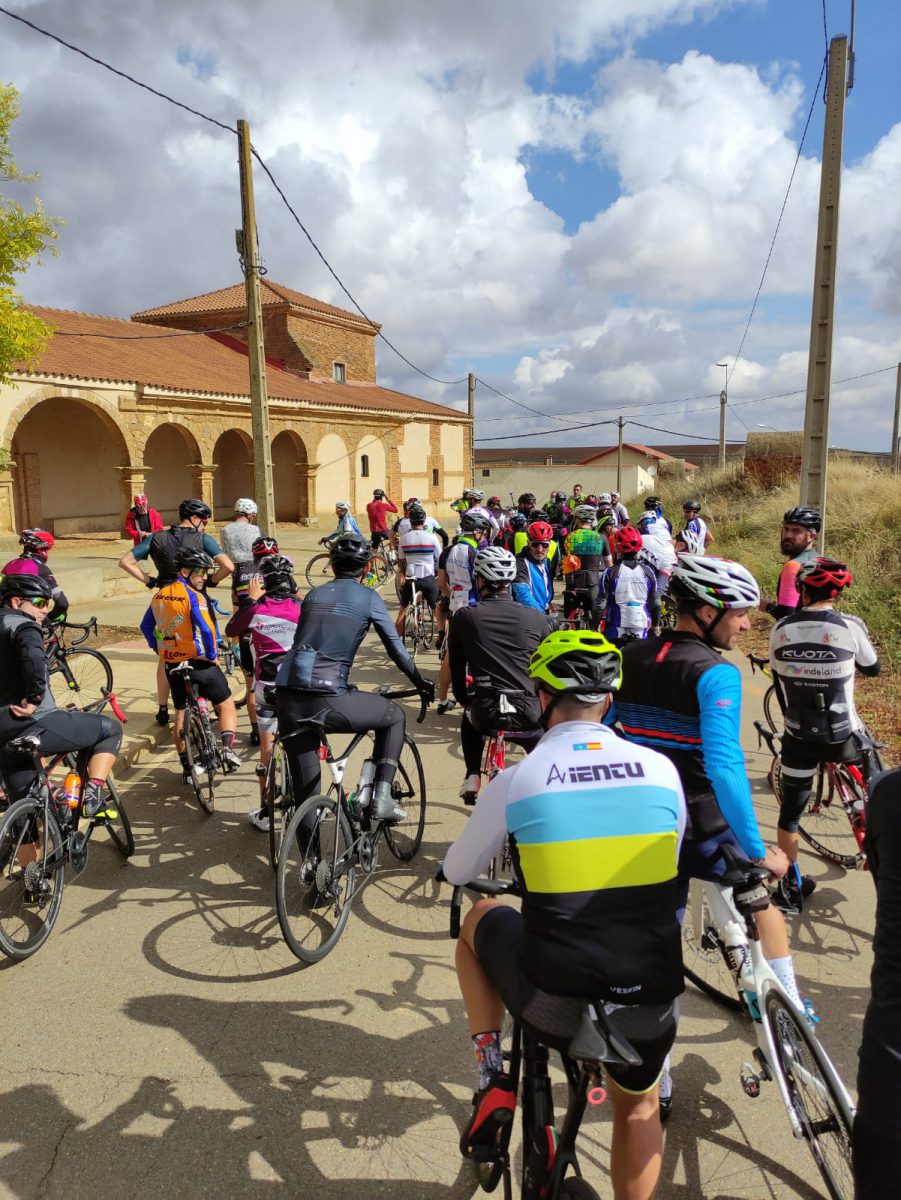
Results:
542 480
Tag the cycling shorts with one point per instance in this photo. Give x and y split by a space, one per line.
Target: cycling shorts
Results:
267 719
651 1028
444 603
799 763
208 678
428 586
245 649
377 536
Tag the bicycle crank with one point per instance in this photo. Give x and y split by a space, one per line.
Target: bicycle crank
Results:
368 852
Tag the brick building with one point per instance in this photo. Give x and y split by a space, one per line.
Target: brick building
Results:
116 407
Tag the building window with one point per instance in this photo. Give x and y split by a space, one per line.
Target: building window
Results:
338 369
485 473
434 476
364 466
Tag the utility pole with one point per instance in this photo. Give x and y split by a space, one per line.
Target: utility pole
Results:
471 396
896 444
248 247
724 397
815 456
619 457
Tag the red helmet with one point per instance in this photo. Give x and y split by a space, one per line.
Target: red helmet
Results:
494 501
139 500
539 531
263 547
824 573
38 541
628 540
408 504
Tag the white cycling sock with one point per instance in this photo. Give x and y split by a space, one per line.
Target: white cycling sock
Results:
666 1079
784 970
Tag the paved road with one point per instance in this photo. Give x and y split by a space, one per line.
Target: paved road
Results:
165 1041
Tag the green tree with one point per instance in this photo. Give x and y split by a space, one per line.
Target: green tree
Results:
25 234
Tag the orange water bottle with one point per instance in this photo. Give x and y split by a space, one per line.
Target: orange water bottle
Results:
72 790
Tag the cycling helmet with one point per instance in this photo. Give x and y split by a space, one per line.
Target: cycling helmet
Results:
652 501
194 508
519 521
586 512
577 662
803 514
277 576
408 504
263 546
693 542
378 494
560 497
195 560
540 531
692 505
647 519
628 540
716 581
349 554
38 541
614 496
526 499
342 506
824 574
416 513
591 499
29 587
245 508
475 495
605 498
494 502
495 565
474 522
139 500
604 506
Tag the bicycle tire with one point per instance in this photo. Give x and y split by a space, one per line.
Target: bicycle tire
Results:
427 627
574 1187
380 569
20 934
410 640
119 829
408 788
201 768
704 955
826 826
319 570
80 676
316 834
823 1111
280 801
772 713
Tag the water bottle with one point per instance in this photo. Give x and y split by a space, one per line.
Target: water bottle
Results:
858 806
364 791
72 790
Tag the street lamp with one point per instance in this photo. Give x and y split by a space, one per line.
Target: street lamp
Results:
760 425
723 399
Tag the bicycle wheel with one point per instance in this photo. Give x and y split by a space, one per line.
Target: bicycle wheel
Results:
315 878
319 570
380 569
280 801
411 641
80 677
119 827
31 882
408 789
575 1188
201 760
817 1094
771 711
703 953
427 628
826 825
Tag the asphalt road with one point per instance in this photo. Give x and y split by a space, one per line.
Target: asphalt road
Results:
166 1042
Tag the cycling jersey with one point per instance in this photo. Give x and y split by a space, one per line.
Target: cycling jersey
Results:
489 516
698 526
534 583
376 511
595 826
244 574
430 525
178 625
591 548
23 662
629 592
419 551
659 527
26 565
271 623
787 595
680 696
162 548
237 539
346 524
813 653
460 577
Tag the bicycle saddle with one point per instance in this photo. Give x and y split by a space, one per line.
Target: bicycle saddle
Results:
595 1041
743 877
184 667
28 743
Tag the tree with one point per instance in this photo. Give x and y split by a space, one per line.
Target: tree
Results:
24 236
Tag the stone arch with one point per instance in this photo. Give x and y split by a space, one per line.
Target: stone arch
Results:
233 456
170 455
68 452
332 473
290 477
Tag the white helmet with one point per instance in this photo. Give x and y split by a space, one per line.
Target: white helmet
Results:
718 582
605 498
586 512
495 564
343 505
693 542
245 508
476 495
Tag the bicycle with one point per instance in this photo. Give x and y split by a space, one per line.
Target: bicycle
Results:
723 958
328 837
201 747
550 1166
39 835
419 622
771 710
73 668
278 798
827 826
319 570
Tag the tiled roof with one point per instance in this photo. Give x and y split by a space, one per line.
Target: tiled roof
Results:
115 351
578 455
232 298
660 455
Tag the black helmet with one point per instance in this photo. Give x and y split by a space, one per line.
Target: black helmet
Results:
194 508
803 514
195 560
526 498
652 501
349 554
416 513
277 575
29 587
474 522
378 494
691 504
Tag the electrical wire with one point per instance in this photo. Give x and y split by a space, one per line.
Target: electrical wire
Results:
515 437
518 403
622 408
150 337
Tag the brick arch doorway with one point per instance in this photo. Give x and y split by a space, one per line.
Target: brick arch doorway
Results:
233 456
170 455
66 454
290 479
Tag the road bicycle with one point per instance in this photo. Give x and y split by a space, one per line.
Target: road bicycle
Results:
550 1166
76 673
39 835
329 838
203 751
278 798
319 570
836 816
771 710
722 957
419 622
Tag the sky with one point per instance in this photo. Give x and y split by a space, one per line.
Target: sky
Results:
573 199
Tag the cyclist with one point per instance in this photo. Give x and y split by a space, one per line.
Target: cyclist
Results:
652 505
515 533
800 527
179 627
36 547
656 548
526 505
376 510
162 549
312 681
620 511
245 574
576 498
497 510
628 591
431 524
418 553
346 524
456 579
535 567
269 618
694 523
475 497
27 706
141 520
240 534
595 826
588 552
495 640
813 654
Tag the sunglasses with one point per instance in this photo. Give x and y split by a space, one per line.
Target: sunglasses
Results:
540 545
204 571
41 602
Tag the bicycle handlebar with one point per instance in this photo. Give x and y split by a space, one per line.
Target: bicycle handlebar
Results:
487 887
758 663
766 735
403 694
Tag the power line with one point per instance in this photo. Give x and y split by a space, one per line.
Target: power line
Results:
518 403
576 412
674 433
514 437
150 337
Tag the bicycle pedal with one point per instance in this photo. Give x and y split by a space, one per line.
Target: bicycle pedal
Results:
763 1068
750 1080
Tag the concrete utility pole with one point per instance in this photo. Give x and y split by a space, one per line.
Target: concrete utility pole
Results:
724 397
815 456
619 457
471 396
264 492
896 431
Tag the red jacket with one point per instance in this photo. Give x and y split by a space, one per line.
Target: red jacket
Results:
376 510
138 535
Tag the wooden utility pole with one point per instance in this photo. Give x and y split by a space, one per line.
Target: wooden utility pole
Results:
471 396
264 492
619 457
896 431
815 455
